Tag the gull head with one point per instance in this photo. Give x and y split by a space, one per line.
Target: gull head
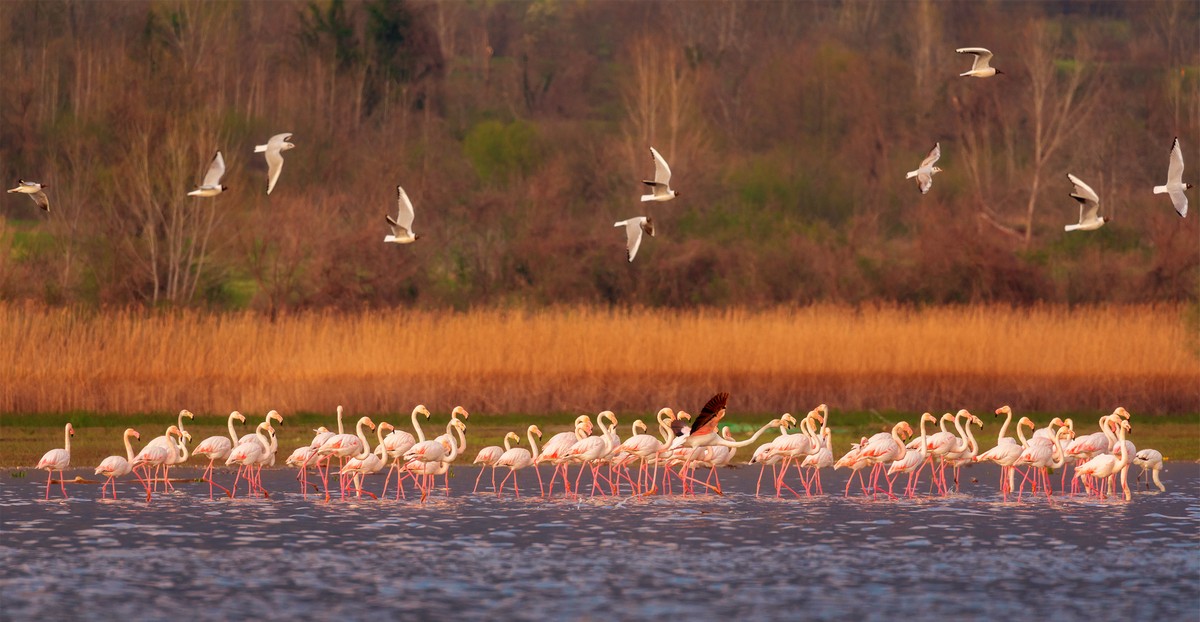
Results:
285 146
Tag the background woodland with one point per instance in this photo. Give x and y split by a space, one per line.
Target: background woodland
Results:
520 130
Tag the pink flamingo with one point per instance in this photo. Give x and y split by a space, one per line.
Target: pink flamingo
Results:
519 458
248 455
488 456
556 448
113 467
853 460
217 448
397 444
344 446
58 460
884 448
1105 466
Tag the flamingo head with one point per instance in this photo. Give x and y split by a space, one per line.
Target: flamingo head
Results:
274 414
171 431
134 433
1056 421
187 436
816 415
383 426
187 413
823 409
683 414
459 410
787 421
367 422
1121 411
421 410
726 434
269 429
237 415
608 415
458 425
513 436
775 423
321 430
977 421
929 417
70 429
1004 410
904 429
1025 421
639 426
1069 423
536 430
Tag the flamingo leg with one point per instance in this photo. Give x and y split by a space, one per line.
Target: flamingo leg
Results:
475 490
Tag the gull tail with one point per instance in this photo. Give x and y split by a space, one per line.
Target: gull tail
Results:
260 148
620 224
910 174
1071 228
1157 190
647 197
389 238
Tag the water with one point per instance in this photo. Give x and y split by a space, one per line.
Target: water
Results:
468 556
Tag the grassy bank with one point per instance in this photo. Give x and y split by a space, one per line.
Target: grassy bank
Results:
24 438
1048 359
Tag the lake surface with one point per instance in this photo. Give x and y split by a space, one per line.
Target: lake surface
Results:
707 557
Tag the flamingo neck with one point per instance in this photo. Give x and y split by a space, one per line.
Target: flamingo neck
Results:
533 448
1004 427
961 434
67 438
260 435
507 443
1106 426
416 426
899 442
1021 435
453 452
232 433
924 451
366 446
128 447
753 438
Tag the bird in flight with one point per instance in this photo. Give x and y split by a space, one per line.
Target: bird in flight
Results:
661 186
34 190
402 224
212 179
981 68
1174 187
1089 207
634 228
277 144
924 173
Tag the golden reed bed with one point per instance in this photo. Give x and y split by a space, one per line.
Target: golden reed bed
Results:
1047 359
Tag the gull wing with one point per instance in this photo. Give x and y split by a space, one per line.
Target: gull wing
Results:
633 235
1089 201
933 156
274 166
215 171
405 215
278 140
983 56
1175 167
924 181
1178 198
43 201
662 172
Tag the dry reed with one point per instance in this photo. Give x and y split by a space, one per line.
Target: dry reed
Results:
1046 358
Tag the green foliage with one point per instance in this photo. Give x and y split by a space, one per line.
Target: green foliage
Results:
501 152
330 27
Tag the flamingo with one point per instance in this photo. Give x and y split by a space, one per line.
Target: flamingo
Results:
519 458
853 460
164 440
912 460
217 448
588 451
1106 465
703 432
58 460
113 467
250 454
823 459
884 448
793 446
1005 453
459 427
397 444
1041 457
643 447
488 457
344 446
1150 460
430 462
555 448
157 454
300 459
765 455
966 451
373 462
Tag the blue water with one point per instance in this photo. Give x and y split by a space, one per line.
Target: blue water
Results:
479 557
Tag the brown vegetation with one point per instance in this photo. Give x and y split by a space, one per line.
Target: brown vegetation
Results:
586 360
521 130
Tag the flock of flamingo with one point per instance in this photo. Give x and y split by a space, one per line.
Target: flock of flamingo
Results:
635 464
